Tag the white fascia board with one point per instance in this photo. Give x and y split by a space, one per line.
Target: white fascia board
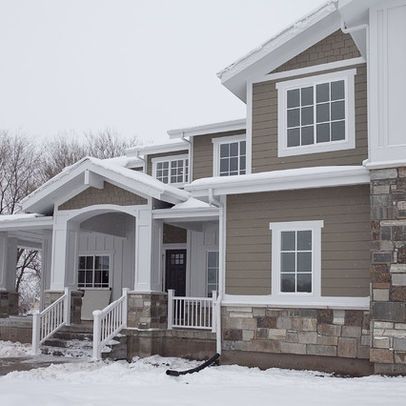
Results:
206 129
271 57
326 302
39 223
159 149
290 179
195 214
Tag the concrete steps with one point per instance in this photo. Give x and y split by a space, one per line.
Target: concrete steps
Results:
76 341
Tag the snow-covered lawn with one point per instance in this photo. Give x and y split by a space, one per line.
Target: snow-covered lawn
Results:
9 349
144 382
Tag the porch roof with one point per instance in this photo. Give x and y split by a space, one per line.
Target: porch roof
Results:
27 221
93 172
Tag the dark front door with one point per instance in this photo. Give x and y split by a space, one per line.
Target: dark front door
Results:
175 271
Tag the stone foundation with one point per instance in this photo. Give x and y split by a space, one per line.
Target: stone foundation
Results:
147 310
76 303
191 344
8 304
308 332
388 270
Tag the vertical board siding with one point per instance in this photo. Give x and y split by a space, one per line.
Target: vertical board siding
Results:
336 47
203 153
345 237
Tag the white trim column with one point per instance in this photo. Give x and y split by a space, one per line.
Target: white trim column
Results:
8 262
59 253
46 262
143 251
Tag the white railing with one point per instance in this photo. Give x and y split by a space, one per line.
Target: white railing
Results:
192 312
108 323
50 320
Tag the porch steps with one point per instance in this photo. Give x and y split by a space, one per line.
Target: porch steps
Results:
76 341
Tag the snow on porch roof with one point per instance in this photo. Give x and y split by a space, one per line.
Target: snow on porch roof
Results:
43 198
32 220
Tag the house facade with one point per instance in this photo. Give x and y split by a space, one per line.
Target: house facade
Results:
276 240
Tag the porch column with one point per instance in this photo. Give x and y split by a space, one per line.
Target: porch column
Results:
143 251
46 261
59 253
8 265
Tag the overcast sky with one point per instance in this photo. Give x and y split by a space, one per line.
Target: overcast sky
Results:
139 67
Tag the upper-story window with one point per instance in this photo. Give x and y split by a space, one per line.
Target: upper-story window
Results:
316 114
229 156
172 170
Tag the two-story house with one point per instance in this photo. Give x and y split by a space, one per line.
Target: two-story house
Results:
276 240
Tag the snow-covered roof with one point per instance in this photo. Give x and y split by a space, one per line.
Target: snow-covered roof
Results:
169 146
213 128
72 177
191 203
126 161
289 179
281 47
31 220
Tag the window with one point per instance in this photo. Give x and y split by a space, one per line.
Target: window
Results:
212 272
94 271
296 253
316 114
229 156
173 170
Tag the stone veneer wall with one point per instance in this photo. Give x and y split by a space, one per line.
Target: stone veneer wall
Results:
388 270
147 310
8 304
327 333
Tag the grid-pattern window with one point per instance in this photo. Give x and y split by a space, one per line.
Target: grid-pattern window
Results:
173 171
232 158
212 271
94 271
296 253
316 114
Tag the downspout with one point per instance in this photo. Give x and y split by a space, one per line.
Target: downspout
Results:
183 138
137 155
217 203
349 30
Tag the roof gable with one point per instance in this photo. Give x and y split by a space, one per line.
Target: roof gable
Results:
93 172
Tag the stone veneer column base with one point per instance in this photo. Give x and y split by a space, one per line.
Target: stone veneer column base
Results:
323 334
8 304
388 270
147 310
76 303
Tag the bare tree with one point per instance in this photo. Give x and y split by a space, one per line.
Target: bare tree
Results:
64 151
19 164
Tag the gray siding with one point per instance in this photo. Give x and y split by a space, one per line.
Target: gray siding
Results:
203 153
265 112
345 237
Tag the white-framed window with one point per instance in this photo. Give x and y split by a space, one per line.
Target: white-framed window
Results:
172 170
296 258
212 272
94 271
229 156
316 114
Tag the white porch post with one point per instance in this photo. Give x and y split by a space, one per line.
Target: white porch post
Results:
143 251
59 253
8 262
46 260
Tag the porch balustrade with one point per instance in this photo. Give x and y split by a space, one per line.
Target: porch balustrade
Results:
108 323
192 312
50 320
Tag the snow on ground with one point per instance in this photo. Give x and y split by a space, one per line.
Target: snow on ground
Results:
143 382
9 349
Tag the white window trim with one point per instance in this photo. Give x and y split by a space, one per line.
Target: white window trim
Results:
348 143
276 228
169 159
109 254
216 150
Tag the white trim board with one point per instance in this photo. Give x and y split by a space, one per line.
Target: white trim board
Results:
324 302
